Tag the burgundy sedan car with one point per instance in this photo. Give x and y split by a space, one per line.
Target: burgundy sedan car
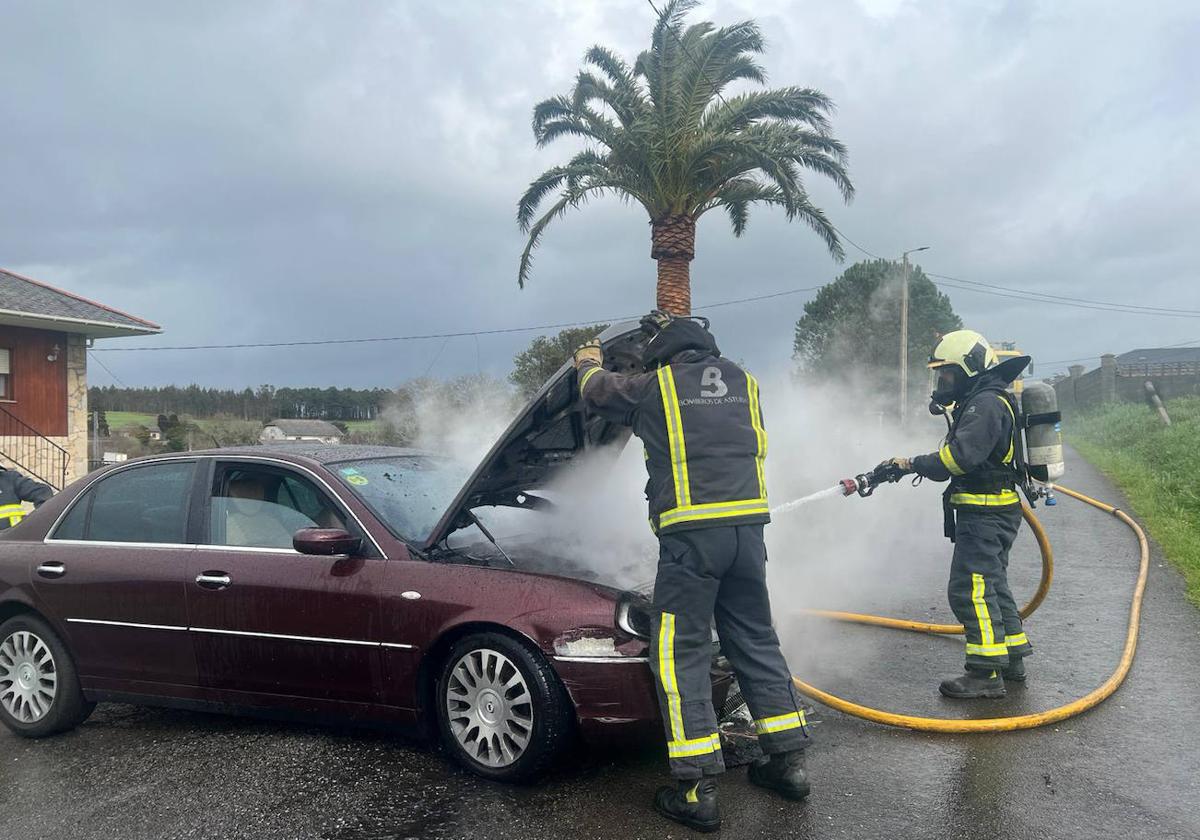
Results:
321 581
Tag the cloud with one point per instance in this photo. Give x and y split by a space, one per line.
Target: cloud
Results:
289 170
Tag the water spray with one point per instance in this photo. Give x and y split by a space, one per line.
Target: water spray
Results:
863 484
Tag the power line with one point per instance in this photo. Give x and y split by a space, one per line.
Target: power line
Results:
856 245
115 378
379 339
1076 300
993 290
1097 355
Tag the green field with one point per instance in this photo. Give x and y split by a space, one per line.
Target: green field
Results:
1156 467
120 419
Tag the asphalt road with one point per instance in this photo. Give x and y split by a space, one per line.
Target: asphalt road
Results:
1127 769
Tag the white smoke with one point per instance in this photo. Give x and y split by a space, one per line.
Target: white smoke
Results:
838 553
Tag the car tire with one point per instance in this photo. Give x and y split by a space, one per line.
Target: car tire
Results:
501 710
39 687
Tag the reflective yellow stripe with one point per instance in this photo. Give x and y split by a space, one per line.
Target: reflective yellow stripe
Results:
760 433
666 674
713 510
948 461
986 650
670 400
780 723
13 513
982 614
695 746
588 375
1016 641
679 746
1012 441
1001 499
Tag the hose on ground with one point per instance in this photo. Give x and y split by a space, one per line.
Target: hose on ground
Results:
1016 722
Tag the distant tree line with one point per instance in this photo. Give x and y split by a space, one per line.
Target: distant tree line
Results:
264 403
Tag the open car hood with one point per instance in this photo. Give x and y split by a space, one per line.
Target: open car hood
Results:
548 434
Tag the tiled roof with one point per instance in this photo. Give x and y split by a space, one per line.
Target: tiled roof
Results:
23 296
306 428
1159 355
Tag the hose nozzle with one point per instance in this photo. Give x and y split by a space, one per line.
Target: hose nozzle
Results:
865 483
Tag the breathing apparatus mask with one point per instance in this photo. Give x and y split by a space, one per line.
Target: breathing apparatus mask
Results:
956 363
949 386
668 336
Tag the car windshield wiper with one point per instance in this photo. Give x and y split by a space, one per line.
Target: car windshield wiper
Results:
483 528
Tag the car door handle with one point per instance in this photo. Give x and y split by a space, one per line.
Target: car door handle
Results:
213 580
52 570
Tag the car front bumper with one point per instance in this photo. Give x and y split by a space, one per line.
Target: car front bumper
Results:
615 698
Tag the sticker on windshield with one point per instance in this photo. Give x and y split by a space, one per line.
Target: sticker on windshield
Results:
357 480
349 471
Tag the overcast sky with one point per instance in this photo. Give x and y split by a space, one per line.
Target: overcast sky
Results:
273 171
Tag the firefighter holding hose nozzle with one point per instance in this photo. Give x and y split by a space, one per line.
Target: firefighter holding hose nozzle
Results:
981 460
698 415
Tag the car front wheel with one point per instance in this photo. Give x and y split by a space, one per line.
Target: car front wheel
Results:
39 690
501 710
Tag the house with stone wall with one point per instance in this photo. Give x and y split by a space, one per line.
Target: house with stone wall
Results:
45 334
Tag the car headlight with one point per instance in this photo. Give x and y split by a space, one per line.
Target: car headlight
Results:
633 616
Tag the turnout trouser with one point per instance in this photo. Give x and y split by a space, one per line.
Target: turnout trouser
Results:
978 590
719 573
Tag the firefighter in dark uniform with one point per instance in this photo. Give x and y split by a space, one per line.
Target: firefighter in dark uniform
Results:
16 488
983 511
699 417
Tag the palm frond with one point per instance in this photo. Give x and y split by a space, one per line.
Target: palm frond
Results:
661 132
568 200
793 104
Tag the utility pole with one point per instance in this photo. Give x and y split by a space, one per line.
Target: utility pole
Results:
904 336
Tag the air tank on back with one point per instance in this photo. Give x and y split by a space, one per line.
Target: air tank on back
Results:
1043 432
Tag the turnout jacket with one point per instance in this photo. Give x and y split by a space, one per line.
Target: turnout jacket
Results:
16 488
700 420
979 454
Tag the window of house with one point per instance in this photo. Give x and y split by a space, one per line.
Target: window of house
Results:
5 374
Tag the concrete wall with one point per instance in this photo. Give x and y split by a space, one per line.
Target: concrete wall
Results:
1113 383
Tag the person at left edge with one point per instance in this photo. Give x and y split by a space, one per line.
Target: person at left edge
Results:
16 488
698 416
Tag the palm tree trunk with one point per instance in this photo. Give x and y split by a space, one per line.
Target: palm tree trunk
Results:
673 244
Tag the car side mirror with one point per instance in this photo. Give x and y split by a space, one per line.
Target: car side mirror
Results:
326 542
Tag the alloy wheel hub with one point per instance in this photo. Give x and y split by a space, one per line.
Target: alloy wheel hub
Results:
28 677
490 708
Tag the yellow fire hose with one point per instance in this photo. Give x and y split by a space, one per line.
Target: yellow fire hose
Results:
1001 724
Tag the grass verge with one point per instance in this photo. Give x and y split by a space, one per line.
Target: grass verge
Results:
1158 469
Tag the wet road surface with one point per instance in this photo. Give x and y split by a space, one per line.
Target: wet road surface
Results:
1127 769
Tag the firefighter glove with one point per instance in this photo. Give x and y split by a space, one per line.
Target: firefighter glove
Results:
589 352
653 323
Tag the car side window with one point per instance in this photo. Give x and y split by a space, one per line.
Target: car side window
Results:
145 504
257 507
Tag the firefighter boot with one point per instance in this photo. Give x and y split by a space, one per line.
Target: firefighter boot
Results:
1015 670
974 684
782 773
693 803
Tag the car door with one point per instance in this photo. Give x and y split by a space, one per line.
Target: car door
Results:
113 571
269 622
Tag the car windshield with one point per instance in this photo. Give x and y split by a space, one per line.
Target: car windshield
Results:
409 493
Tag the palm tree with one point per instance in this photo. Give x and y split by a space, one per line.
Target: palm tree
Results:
662 134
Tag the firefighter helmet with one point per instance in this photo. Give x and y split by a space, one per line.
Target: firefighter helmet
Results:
966 349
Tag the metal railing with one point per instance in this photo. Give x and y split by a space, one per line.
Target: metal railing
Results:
27 449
